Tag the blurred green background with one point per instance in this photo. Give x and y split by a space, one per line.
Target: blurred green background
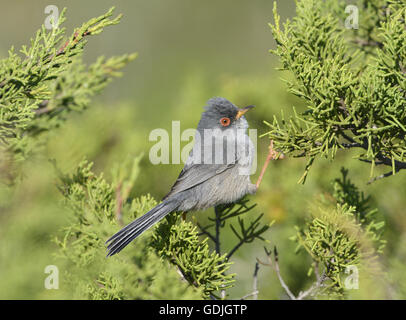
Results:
189 51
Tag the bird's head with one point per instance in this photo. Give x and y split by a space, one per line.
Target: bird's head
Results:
222 114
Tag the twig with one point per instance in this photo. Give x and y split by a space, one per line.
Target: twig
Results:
272 155
221 214
217 240
179 271
255 291
255 283
388 174
320 279
218 225
302 295
275 265
204 231
348 137
351 145
377 163
74 42
236 247
380 159
278 273
314 287
247 234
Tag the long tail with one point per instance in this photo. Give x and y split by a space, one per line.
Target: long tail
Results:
122 238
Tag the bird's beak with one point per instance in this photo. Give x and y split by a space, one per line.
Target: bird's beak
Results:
242 111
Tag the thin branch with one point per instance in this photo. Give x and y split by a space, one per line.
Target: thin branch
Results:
275 265
388 174
278 273
182 276
370 161
217 240
379 158
255 291
255 283
351 145
236 247
218 225
204 231
272 155
347 137
399 165
74 41
302 295
314 287
247 235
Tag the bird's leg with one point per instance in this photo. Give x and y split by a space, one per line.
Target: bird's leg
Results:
184 216
272 155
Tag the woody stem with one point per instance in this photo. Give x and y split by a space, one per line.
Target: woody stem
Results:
271 155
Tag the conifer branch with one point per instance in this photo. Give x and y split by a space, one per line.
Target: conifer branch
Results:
47 80
353 99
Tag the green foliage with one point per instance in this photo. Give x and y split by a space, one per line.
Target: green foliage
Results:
156 265
45 81
200 266
179 242
226 213
98 206
134 274
38 89
341 232
355 99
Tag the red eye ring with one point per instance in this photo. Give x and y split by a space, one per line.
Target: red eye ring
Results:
225 122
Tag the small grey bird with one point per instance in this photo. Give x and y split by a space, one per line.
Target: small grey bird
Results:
216 172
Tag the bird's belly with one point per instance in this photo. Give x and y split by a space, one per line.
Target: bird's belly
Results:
226 187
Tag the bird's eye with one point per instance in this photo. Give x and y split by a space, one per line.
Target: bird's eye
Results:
225 122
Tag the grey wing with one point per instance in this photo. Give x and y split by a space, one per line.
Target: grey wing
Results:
195 174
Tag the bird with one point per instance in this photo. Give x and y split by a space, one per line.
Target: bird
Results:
217 170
